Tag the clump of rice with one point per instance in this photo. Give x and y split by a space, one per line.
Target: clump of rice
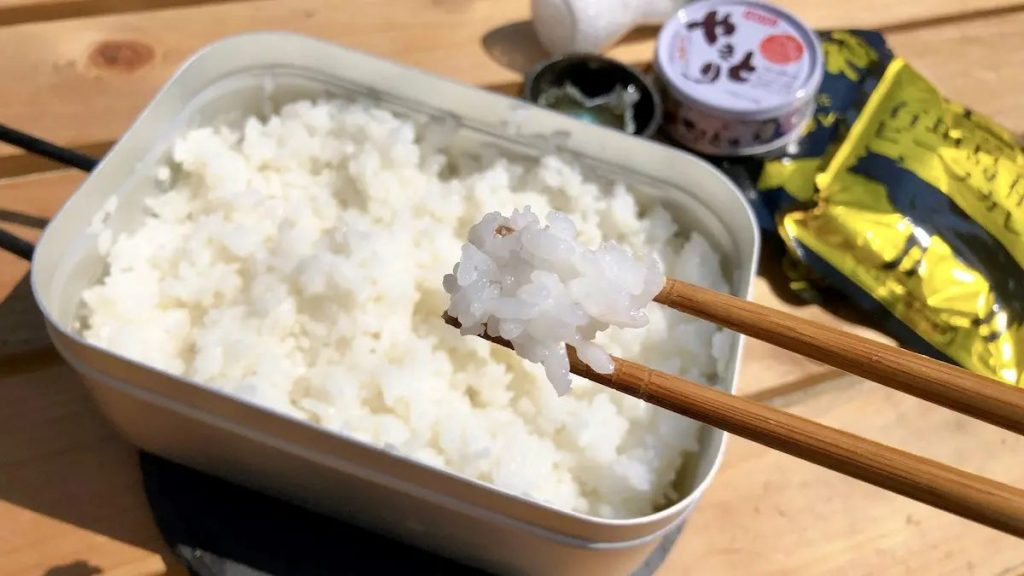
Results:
294 261
540 289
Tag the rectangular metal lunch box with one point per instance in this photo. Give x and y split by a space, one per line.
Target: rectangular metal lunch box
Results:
199 427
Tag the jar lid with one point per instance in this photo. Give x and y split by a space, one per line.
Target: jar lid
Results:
741 59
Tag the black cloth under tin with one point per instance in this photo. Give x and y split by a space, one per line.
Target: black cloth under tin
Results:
218 528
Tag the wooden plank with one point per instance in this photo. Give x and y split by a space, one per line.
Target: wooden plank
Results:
22 11
115 63
70 490
25 206
785 516
8 4
75 6
71 497
81 82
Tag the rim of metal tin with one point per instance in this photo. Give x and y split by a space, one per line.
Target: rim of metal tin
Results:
808 88
657 114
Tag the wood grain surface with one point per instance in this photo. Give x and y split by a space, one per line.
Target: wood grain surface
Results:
93 75
78 71
70 489
774 515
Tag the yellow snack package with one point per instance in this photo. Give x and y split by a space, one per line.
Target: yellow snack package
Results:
919 215
854 62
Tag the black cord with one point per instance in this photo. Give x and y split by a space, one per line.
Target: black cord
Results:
46 149
8 241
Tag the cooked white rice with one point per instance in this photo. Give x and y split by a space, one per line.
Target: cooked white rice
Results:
295 262
539 288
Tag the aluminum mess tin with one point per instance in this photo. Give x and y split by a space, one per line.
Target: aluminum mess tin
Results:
211 431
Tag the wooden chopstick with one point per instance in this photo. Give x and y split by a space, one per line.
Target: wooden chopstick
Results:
967 495
937 382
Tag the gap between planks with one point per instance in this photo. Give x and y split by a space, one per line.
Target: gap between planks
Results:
25 11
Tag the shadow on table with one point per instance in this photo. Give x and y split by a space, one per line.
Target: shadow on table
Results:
515 46
22 331
58 456
770 268
77 568
12 217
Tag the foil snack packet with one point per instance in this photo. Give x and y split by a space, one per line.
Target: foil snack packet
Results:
915 212
854 62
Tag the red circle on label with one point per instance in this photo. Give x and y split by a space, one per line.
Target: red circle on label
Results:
781 49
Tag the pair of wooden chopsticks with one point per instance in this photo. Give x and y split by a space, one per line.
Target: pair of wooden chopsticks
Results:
968 495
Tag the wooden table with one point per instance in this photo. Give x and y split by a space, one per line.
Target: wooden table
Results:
78 71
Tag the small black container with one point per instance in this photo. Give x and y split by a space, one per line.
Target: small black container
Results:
596 76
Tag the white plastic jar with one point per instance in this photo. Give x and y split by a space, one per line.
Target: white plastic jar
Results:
739 77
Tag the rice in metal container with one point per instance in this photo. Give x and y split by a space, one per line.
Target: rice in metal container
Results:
296 261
